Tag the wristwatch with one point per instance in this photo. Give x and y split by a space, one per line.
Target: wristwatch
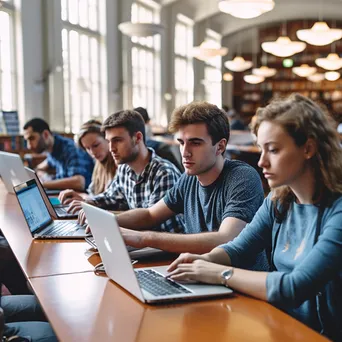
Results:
226 275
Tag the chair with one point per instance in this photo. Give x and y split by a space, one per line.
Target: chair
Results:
166 151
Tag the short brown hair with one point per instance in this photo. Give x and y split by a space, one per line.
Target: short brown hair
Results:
202 112
129 119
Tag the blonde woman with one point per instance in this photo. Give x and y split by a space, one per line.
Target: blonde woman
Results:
92 140
299 223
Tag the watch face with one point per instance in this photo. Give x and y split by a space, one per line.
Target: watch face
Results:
226 274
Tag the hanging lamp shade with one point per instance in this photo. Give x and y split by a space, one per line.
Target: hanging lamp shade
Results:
238 64
332 62
253 79
283 47
227 76
332 75
140 29
320 34
318 77
304 70
208 49
264 71
245 9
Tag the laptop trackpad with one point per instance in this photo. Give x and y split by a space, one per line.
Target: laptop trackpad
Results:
79 232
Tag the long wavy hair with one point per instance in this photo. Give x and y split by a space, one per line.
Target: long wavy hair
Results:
303 119
103 171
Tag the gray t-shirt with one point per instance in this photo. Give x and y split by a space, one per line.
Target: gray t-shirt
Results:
237 192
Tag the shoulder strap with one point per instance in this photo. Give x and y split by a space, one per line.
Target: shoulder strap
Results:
276 229
319 223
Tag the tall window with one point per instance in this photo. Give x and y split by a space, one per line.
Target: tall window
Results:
84 61
212 74
146 76
184 73
8 84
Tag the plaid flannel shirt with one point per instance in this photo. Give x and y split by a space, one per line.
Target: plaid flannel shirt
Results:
69 160
130 191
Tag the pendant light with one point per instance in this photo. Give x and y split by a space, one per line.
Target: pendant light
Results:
318 77
208 49
140 29
238 64
304 70
264 70
283 47
320 34
228 77
253 79
332 75
332 62
245 9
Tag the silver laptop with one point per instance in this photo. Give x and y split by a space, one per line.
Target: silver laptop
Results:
56 210
38 218
147 284
12 170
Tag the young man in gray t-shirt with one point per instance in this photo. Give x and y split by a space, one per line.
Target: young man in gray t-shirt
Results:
216 196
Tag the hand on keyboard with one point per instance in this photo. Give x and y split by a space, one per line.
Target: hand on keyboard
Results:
67 196
75 207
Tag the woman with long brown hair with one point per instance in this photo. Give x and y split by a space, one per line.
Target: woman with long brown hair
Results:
92 140
299 223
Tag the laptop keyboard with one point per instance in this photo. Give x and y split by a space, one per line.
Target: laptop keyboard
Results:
61 211
158 285
61 229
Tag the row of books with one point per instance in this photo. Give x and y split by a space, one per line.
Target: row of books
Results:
9 122
12 143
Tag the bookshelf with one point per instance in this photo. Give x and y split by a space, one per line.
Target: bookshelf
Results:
17 144
13 144
247 97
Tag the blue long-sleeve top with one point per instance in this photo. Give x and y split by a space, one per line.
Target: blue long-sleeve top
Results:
304 271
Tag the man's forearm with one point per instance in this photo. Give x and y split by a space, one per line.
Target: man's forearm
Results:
136 219
75 182
180 243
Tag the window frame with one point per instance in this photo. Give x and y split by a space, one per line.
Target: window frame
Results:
100 81
9 8
152 91
187 92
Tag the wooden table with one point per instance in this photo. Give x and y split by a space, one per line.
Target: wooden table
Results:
85 307
38 257
82 306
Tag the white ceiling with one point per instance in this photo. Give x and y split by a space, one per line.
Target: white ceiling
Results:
225 24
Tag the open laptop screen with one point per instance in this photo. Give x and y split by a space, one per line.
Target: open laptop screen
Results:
32 205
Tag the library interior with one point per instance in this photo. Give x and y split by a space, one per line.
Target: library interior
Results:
170 169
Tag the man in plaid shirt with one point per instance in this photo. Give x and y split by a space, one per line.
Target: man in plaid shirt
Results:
142 177
217 196
73 166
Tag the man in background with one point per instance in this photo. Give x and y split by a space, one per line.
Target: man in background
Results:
73 166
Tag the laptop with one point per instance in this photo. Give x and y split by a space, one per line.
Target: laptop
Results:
149 285
38 218
55 210
12 170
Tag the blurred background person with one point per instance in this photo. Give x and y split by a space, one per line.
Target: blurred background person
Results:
91 139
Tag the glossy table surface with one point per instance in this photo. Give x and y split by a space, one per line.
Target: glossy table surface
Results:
86 307
38 257
82 306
